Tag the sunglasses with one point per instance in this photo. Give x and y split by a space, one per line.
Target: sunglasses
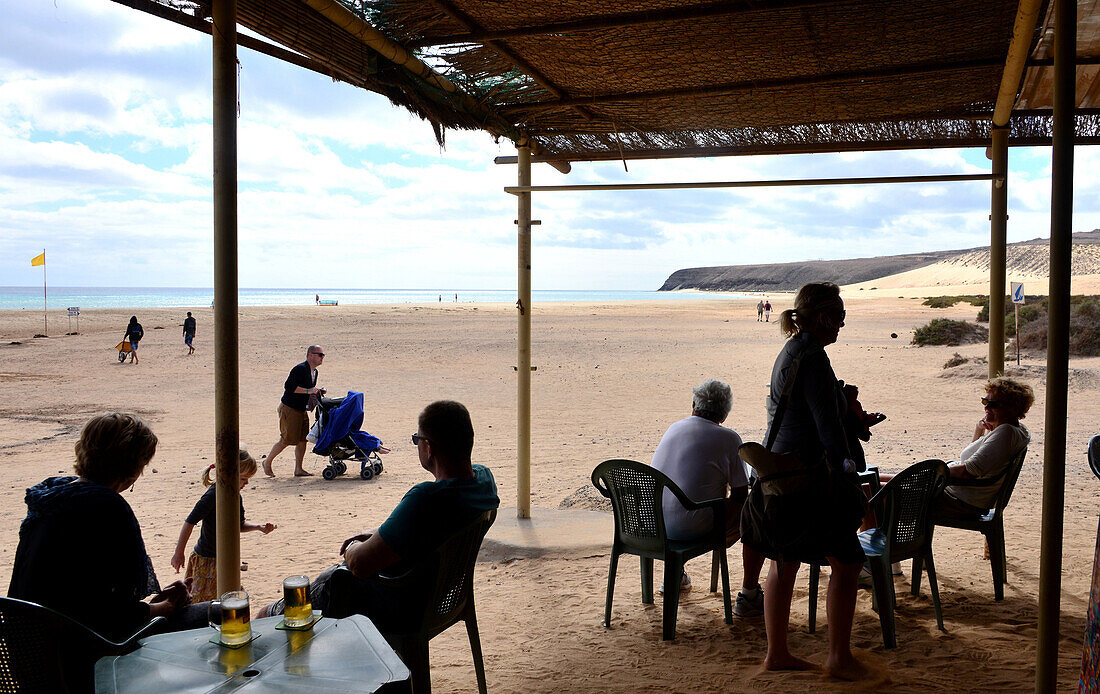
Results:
986 402
417 438
320 354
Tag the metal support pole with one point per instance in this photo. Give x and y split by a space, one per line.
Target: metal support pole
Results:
523 358
226 365
998 239
1054 436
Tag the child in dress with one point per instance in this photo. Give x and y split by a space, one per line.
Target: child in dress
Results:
202 564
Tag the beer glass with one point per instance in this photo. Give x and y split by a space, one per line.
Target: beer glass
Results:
234 622
298 610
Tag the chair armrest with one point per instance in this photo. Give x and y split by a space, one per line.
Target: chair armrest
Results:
870 476
132 642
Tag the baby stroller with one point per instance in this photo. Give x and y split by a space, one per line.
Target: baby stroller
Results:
339 437
123 349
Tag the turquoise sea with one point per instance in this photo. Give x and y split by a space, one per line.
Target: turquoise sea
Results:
144 297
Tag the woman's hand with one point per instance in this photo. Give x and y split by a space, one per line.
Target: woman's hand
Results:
177 560
267 527
982 429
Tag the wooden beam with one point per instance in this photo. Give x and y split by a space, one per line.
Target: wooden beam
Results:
753 85
623 19
521 189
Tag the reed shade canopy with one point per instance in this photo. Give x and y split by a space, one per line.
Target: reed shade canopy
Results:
608 79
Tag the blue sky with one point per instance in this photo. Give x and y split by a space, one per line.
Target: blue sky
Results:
105 161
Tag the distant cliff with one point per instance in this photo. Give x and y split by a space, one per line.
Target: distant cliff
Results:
788 277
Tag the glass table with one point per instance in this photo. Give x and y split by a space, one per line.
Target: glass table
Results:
337 655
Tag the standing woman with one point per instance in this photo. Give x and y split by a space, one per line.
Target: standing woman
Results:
134 332
817 522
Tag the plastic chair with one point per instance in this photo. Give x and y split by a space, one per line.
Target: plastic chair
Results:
42 650
990 524
446 577
636 491
904 509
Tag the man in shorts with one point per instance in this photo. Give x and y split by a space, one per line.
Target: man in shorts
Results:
293 419
189 333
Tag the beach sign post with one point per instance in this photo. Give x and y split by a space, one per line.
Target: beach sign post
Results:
36 261
1017 299
74 311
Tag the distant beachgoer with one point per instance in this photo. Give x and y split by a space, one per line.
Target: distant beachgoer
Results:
189 333
456 297
760 312
316 298
441 298
135 332
202 564
293 419
767 311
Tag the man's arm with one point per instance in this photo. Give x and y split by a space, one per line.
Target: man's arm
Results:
367 557
959 471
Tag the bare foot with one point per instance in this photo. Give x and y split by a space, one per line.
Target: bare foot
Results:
302 473
789 662
267 469
846 669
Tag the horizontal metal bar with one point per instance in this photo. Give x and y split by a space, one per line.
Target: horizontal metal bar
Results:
515 190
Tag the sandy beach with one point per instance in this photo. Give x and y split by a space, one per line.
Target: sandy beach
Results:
610 379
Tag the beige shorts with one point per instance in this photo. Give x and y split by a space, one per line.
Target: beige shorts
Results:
293 425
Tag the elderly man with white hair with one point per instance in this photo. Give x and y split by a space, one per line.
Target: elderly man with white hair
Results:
700 456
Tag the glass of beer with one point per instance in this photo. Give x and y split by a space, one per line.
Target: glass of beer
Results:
298 610
235 618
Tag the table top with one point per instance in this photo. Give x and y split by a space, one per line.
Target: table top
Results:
345 655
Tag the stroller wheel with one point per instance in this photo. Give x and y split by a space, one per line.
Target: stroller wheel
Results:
341 467
377 468
367 472
329 473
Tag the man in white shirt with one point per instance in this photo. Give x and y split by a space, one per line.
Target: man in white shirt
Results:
700 456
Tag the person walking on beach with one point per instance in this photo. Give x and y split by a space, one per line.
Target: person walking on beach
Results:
202 564
293 420
135 332
767 312
760 312
189 333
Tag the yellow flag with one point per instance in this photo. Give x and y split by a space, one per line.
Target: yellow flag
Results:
39 259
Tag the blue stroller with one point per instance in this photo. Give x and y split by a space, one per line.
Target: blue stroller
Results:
341 440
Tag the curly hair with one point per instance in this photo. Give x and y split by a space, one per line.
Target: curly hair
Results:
1015 396
712 399
114 447
812 300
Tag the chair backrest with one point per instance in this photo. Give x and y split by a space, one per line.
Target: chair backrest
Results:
1012 473
44 651
453 564
907 503
636 491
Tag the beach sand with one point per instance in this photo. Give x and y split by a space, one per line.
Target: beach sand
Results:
610 379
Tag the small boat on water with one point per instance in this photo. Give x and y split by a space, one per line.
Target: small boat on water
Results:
328 302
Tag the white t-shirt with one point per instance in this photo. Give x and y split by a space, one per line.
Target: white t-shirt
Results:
700 456
987 456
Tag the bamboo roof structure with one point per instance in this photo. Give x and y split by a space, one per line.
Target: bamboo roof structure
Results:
608 79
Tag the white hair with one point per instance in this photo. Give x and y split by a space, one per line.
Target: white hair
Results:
712 399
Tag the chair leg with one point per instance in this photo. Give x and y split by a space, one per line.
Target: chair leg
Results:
726 603
915 575
884 596
714 571
674 568
996 538
475 646
815 579
647 581
610 588
934 586
415 653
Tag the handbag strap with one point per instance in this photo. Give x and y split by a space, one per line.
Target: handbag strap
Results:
784 398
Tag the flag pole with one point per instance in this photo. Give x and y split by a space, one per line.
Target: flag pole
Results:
45 322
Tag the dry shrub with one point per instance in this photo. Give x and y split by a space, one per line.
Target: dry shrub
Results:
944 331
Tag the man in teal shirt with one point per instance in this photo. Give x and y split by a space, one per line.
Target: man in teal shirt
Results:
427 514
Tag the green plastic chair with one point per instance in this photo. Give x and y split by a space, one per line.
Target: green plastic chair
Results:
636 491
446 577
42 650
990 524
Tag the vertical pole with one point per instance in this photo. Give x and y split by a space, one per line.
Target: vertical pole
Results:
1016 314
998 235
226 365
1054 436
523 358
45 321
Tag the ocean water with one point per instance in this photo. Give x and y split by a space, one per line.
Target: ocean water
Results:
145 297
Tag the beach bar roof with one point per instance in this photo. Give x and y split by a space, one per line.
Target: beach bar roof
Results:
571 81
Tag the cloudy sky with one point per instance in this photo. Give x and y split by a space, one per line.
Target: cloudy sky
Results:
105 161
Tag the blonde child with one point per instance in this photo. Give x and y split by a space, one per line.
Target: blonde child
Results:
201 565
